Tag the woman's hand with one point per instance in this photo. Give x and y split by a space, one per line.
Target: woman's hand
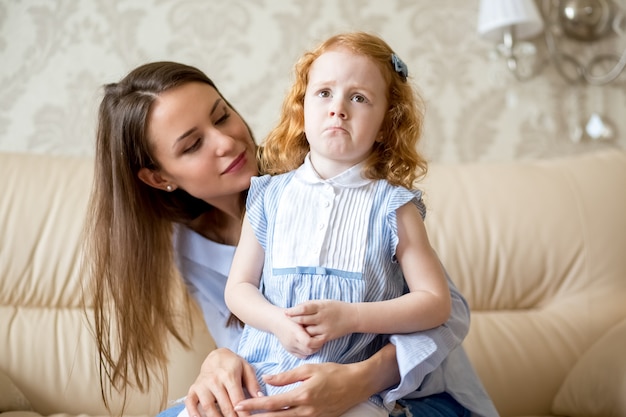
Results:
223 376
326 389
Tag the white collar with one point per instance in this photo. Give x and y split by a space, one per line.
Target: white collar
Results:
350 178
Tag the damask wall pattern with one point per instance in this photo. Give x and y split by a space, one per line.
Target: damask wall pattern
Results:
56 55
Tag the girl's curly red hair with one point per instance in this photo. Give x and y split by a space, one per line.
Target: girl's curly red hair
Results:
395 158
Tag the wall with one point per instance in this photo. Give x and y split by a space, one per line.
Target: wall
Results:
54 56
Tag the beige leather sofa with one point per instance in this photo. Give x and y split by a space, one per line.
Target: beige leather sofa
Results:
538 248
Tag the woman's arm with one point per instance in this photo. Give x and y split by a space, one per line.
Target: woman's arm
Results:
419 354
330 389
396 370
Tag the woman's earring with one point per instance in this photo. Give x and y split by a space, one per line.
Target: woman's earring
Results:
169 187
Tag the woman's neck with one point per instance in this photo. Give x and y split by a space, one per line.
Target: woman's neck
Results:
222 224
219 227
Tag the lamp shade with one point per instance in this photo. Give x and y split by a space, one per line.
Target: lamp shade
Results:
496 16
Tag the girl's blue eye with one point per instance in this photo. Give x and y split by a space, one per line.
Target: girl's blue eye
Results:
324 93
359 98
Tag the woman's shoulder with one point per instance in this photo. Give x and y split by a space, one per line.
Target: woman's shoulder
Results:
194 247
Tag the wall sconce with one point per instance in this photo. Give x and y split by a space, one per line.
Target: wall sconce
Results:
508 22
511 22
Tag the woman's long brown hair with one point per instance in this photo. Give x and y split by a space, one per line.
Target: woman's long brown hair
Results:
129 260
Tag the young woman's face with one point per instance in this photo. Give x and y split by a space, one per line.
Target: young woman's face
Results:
344 107
201 144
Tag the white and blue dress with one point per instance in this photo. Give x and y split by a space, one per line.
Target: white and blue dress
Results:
429 362
324 239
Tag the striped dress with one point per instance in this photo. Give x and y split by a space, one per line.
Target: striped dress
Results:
323 239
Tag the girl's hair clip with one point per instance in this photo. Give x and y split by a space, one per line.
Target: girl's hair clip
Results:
399 66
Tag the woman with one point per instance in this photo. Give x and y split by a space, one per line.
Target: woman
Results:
173 158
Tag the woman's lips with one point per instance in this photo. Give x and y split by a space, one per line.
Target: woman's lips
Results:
236 164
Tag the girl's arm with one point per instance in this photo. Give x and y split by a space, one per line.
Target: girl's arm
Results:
244 299
427 305
242 294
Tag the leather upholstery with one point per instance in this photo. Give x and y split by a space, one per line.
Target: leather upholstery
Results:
537 247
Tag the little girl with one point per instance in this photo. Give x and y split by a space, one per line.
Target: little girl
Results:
333 253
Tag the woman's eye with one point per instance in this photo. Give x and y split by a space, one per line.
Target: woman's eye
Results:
224 118
194 146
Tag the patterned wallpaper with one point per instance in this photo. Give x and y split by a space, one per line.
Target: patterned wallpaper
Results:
55 55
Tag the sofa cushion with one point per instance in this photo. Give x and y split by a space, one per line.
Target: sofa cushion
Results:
596 385
46 341
535 249
11 398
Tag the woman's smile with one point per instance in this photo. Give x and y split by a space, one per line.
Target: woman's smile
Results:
239 162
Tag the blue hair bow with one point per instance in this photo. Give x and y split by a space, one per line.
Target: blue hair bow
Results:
399 66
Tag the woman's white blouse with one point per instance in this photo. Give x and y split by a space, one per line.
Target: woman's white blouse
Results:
205 265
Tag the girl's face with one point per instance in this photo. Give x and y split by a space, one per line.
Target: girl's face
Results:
201 144
344 106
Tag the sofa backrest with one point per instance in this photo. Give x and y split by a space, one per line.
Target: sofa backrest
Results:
539 250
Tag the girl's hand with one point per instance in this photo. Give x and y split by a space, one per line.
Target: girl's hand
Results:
223 376
325 320
326 389
295 338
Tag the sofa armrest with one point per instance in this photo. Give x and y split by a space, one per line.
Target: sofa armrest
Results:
595 385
